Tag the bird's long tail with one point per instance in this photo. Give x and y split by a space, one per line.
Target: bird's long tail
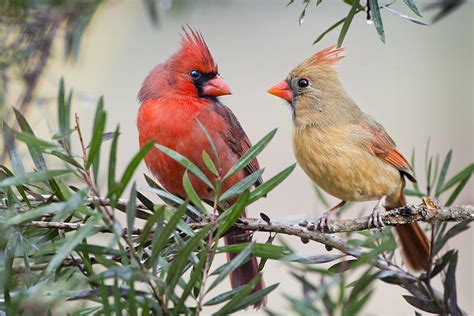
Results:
415 245
246 272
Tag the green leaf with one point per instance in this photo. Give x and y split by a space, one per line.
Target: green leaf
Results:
450 293
232 214
263 189
182 257
9 143
68 159
442 174
97 131
209 139
194 280
460 176
232 265
131 210
332 27
32 177
113 161
374 9
355 306
251 154
64 110
164 234
411 4
186 163
404 16
209 163
223 297
71 242
191 193
266 251
457 191
235 301
254 297
347 22
241 186
442 262
130 170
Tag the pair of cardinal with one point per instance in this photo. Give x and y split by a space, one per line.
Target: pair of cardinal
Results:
343 150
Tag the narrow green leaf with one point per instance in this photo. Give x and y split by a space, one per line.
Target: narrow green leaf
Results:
251 154
70 243
355 306
266 251
64 110
411 4
130 170
191 193
230 216
182 257
457 191
9 143
374 9
241 186
111 184
68 159
442 174
97 131
186 163
254 297
209 139
209 163
194 280
32 177
131 210
332 27
347 22
235 301
232 265
223 297
263 189
343 266
465 173
164 234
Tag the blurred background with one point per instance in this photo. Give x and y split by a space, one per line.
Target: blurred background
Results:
419 85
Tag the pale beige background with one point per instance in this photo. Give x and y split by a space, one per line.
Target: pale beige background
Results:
418 85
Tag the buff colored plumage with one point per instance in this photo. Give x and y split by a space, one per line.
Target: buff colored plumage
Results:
345 151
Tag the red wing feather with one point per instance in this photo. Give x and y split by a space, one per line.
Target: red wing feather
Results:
236 138
383 146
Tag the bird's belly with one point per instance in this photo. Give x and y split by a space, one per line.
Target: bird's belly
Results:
346 171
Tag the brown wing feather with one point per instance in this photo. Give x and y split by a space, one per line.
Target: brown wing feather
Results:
236 138
383 146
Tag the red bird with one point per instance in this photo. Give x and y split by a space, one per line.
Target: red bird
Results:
174 97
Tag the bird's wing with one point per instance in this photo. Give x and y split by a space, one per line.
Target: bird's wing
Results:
236 138
383 146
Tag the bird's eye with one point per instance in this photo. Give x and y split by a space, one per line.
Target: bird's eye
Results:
195 74
303 83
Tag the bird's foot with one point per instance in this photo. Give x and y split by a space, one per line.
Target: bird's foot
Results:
376 218
322 223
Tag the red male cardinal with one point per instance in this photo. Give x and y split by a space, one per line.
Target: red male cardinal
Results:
174 97
345 151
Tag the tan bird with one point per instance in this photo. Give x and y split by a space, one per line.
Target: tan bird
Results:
345 151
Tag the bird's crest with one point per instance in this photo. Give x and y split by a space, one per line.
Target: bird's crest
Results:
328 56
194 48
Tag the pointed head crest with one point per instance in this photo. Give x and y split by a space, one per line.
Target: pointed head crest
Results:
328 56
194 51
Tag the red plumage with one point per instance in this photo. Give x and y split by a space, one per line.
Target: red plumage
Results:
173 99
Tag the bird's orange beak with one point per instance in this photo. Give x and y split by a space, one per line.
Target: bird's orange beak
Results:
282 90
216 87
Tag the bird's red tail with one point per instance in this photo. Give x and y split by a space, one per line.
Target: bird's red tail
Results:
415 245
246 272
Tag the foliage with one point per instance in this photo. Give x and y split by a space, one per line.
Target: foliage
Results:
164 268
373 9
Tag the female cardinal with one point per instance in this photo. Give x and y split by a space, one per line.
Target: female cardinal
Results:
175 97
345 151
